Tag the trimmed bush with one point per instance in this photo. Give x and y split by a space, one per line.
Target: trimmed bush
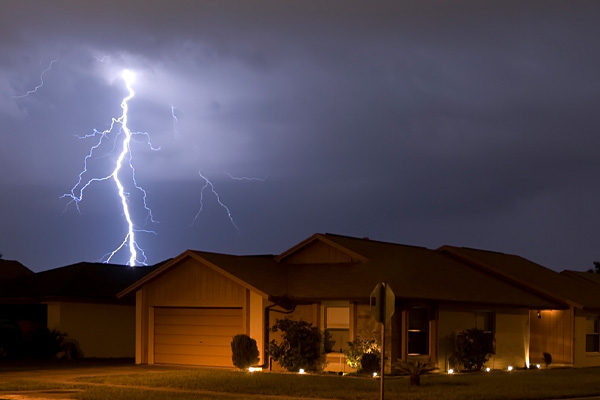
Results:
370 362
473 348
244 351
300 345
357 349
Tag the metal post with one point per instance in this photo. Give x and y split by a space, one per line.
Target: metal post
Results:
382 360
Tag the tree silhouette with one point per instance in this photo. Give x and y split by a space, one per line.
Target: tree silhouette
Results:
596 269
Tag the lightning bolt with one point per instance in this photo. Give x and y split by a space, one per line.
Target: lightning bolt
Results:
35 89
208 183
125 155
245 178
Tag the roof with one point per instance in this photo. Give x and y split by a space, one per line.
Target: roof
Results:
527 274
414 273
10 269
87 282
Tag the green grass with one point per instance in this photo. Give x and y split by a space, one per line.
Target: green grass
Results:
30 384
542 384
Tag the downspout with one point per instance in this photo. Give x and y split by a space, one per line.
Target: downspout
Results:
267 329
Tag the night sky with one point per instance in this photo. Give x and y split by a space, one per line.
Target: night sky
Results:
472 124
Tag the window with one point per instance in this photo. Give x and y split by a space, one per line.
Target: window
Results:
484 320
591 334
337 324
418 331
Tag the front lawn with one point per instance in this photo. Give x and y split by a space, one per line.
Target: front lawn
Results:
536 384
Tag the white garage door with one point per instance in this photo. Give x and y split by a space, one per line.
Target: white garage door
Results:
195 336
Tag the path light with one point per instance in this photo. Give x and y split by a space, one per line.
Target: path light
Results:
450 371
374 374
301 371
488 369
538 366
510 368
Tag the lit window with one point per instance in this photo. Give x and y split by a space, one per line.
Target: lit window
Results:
591 334
418 331
337 324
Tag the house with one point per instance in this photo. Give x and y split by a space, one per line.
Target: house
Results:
10 269
79 300
570 335
188 309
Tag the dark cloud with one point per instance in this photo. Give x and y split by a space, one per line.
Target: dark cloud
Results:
466 123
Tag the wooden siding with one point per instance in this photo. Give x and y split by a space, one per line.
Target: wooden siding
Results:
552 333
192 284
319 253
196 336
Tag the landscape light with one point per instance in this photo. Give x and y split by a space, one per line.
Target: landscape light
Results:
254 369
538 366
510 368
301 371
374 374
487 369
450 371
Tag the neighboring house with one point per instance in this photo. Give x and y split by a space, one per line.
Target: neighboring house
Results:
79 300
570 335
10 269
188 309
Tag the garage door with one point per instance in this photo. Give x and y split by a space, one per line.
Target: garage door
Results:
195 336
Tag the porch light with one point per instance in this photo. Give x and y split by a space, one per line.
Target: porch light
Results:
488 369
301 371
450 371
510 368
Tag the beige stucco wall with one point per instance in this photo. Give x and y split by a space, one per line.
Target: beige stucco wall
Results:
102 330
582 359
511 333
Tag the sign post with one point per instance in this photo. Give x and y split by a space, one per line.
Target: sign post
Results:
382 308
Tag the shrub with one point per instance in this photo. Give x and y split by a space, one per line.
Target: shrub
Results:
414 370
370 362
547 359
244 351
358 348
300 345
473 348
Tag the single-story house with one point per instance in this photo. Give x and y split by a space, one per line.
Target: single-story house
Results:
79 300
188 309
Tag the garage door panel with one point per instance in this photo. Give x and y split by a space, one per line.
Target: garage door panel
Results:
217 361
195 336
212 320
192 350
194 340
197 311
197 330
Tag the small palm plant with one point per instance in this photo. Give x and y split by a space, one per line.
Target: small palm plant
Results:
414 370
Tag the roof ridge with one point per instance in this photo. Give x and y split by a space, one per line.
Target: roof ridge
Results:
367 239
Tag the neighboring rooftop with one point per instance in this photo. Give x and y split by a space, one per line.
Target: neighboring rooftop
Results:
10 269
88 282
